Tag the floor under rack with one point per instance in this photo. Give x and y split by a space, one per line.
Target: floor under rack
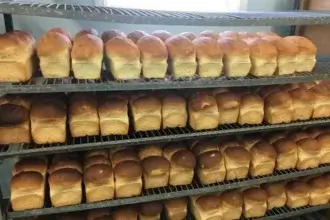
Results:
148 137
169 192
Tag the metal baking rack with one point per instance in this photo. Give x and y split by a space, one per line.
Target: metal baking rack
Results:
146 137
135 16
170 192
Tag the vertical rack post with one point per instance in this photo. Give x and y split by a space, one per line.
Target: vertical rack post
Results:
8 18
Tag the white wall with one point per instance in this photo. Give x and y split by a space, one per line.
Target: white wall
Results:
38 25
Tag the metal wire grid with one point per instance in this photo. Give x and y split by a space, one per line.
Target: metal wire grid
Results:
112 14
169 192
40 84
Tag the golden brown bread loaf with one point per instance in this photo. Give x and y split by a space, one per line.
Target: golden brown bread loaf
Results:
174 111
203 111
30 164
87 56
136 35
263 159
150 150
324 141
153 56
83 115
205 207
228 107
278 108
209 56
123 57
15 119
156 171
236 60
287 154
17 51
276 194
251 109
182 57
302 104
108 35
65 187
232 204
27 191
146 112
318 191
237 162
255 202
150 211
113 114
48 120
306 57
321 101
161 34
176 209
297 193
308 153
54 51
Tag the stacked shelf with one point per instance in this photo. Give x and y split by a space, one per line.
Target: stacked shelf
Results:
134 16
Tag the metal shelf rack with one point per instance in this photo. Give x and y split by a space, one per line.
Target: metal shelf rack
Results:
169 192
135 16
148 137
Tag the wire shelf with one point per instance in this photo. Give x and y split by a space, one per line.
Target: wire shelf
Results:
169 192
138 16
107 83
147 137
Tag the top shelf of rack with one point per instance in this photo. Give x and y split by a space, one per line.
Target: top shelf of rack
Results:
136 16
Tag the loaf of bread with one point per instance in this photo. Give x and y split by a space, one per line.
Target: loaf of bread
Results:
153 57
30 164
182 166
146 112
232 204
136 35
108 35
203 111
308 154
297 193
125 213
14 119
318 191
87 56
237 161
156 171
182 57
150 211
123 57
287 154
236 61
191 36
321 101
255 202
286 55
306 57
98 179
128 177
228 107
263 55
210 162
176 209
48 120
16 56
113 114
161 34
263 159
302 103
65 187
27 191
54 50
324 141
62 162
206 207
276 194
150 150
83 115
278 108
174 111
209 56
251 109
123 154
